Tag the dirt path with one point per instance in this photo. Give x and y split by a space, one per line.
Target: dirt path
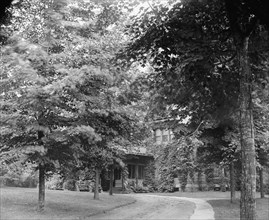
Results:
152 207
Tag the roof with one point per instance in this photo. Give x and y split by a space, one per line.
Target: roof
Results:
138 151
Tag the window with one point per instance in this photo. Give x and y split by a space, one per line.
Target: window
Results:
140 172
163 136
171 135
158 136
131 171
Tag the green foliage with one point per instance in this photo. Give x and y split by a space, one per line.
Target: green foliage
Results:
5 16
70 185
176 159
189 46
55 182
59 87
18 176
188 50
150 179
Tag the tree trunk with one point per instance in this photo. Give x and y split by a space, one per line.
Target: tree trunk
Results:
261 182
232 182
248 185
41 188
124 176
200 182
96 187
111 179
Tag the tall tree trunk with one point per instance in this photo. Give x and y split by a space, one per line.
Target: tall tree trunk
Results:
200 181
232 182
261 182
111 179
248 186
41 188
124 176
97 180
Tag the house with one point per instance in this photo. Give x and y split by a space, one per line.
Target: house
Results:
136 162
162 133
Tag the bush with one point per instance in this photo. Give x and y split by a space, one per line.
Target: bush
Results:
183 179
9 181
266 188
55 182
150 174
28 182
140 189
85 185
166 181
70 185
2 181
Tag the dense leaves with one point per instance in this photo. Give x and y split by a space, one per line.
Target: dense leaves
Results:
59 90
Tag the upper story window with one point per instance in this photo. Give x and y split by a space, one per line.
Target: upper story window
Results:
163 136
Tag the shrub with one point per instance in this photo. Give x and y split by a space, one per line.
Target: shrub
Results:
266 188
70 185
85 185
55 182
166 182
140 189
29 181
150 174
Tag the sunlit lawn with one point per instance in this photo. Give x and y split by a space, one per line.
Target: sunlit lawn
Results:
223 208
21 203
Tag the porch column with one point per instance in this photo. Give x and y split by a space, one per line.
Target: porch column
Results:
136 175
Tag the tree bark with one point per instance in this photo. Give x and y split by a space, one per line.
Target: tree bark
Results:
248 185
41 188
111 179
261 182
97 180
232 182
200 182
124 176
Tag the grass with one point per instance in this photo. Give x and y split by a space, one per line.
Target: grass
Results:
223 208
21 203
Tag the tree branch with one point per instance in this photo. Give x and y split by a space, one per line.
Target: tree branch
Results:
196 129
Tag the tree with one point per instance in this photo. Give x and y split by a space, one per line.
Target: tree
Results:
200 53
40 120
58 100
261 136
242 26
4 10
221 148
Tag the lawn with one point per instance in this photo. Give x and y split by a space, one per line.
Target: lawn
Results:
21 203
223 208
